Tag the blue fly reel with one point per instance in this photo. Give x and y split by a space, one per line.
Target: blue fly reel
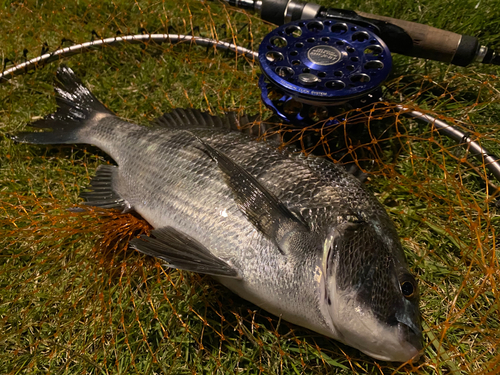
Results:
311 67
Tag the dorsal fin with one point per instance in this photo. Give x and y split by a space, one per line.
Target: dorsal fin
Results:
180 118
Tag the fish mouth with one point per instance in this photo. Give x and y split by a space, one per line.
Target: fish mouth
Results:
410 339
406 345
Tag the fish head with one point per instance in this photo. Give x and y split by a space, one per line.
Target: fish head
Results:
370 300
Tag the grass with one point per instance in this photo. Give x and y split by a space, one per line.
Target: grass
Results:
73 299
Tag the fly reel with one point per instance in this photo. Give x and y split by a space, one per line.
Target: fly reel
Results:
312 67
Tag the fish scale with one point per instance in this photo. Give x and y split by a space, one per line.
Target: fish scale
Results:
296 235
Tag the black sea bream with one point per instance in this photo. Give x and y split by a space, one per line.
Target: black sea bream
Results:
296 235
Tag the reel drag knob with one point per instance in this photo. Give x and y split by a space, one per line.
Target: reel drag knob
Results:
311 66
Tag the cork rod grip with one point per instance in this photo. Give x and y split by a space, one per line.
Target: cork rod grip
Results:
428 42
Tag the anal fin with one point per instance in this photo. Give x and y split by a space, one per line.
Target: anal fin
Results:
101 190
183 252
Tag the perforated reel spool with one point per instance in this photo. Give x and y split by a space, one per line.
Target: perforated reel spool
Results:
310 67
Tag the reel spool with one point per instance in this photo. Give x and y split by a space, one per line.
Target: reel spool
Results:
312 67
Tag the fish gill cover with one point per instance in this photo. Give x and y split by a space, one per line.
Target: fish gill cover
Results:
74 299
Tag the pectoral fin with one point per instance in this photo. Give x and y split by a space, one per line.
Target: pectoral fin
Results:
183 252
262 208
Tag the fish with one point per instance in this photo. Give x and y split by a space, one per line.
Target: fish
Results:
296 235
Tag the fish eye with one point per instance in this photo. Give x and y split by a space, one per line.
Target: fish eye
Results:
407 289
408 286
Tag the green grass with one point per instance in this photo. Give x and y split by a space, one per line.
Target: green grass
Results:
73 300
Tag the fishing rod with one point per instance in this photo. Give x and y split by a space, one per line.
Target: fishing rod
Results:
490 161
403 37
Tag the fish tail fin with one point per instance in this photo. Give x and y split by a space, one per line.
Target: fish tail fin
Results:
77 109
